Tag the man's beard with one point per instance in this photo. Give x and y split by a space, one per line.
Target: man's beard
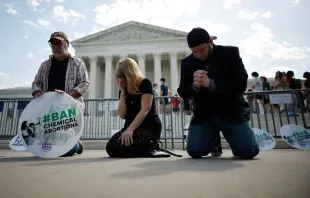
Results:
60 52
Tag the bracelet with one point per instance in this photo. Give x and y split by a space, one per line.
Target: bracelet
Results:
122 96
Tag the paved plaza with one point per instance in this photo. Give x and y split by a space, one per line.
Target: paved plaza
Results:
273 174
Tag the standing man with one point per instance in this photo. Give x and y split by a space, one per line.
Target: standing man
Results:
215 77
62 73
155 89
163 92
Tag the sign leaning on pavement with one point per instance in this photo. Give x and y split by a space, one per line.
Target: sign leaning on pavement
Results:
16 144
51 125
296 136
264 139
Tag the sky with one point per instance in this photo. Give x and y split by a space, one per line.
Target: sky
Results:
271 35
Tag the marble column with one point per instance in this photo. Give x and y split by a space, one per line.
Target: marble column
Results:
93 77
157 68
141 63
108 77
173 71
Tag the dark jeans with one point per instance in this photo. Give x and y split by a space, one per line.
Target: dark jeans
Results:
217 142
73 150
144 141
239 136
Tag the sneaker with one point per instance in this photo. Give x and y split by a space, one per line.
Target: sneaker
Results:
81 148
217 151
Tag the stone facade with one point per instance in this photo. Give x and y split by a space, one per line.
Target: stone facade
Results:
157 50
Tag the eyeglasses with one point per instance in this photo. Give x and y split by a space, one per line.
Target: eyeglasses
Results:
55 43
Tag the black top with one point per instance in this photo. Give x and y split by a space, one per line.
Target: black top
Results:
225 101
57 74
133 104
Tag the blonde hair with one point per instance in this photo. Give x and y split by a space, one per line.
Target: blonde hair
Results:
128 68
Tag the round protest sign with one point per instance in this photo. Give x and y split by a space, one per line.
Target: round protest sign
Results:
265 140
296 136
16 144
51 125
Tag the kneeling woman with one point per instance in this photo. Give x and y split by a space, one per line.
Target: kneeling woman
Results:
141 132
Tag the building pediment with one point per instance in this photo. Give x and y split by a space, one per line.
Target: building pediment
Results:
131 31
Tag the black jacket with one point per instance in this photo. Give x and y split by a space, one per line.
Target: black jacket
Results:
226 69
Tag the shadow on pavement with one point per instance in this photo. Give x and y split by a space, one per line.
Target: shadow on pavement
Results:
26 159
54 161
72 160
158 167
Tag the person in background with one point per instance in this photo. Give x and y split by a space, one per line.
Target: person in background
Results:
266 87
291 83
250 99
306 75
155 88
64 74
278 84
257 87
215 78
163 92
142 128
284 75
176 104
170 95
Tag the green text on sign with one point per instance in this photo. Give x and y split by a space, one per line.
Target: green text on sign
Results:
59 116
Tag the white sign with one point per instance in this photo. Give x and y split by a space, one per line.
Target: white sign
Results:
296 136
16 144
265 140
108 105
51 125
283 98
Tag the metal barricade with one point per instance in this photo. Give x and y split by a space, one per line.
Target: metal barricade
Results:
10 112
172 115
101 119
283 107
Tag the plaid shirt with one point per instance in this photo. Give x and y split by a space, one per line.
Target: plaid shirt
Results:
76 77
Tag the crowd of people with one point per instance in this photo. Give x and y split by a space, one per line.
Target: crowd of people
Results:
212 77
282 81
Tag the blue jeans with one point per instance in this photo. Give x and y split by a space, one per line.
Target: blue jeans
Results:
239 136
72 151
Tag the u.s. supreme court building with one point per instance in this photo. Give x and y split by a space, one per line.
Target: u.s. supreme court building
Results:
157 50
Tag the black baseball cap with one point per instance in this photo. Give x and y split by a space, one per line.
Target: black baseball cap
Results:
197 36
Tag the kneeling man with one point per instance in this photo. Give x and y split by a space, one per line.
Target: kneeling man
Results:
215 77
62 73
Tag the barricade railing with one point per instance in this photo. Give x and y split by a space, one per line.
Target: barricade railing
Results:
278 108
101 119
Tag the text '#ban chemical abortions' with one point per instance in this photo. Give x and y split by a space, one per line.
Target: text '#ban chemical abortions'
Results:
60 121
